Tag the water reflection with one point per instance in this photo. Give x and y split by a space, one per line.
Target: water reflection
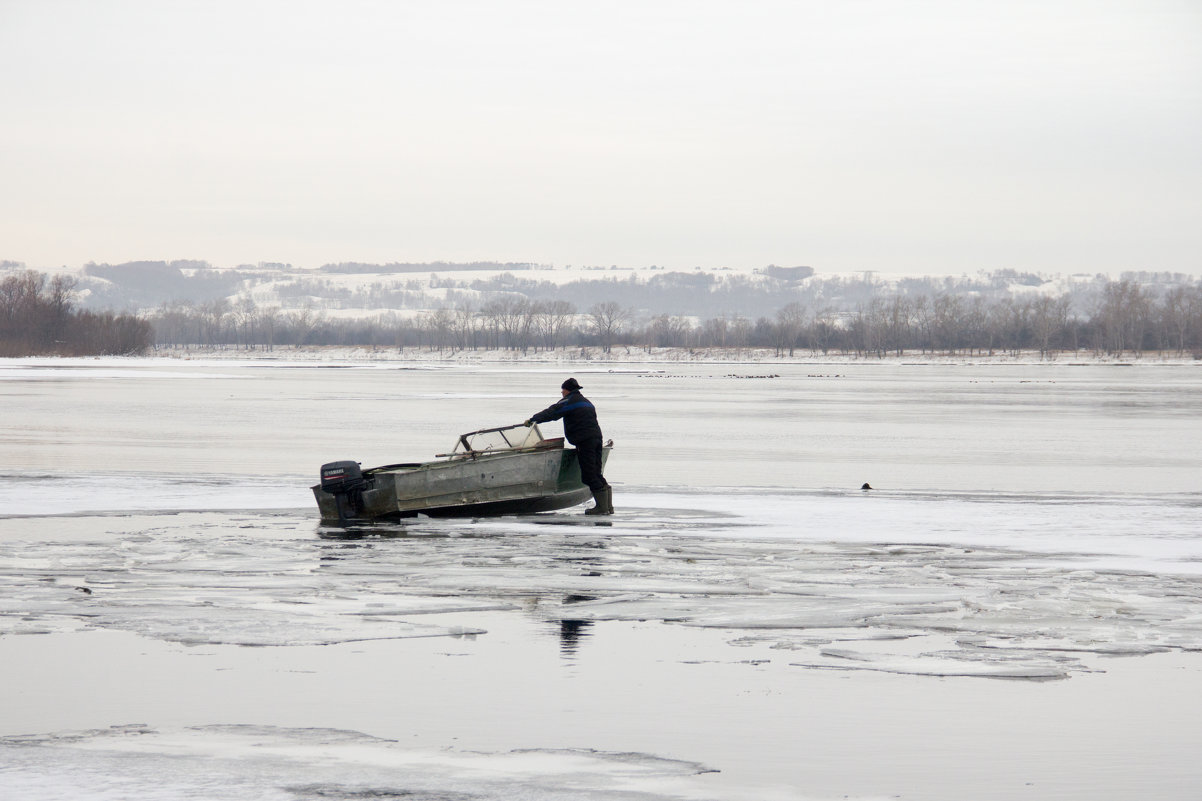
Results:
571 632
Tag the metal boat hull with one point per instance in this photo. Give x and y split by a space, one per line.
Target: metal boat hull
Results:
507 482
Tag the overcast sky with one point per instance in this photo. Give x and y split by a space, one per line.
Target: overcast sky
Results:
908 136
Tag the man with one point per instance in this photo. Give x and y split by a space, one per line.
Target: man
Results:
581 429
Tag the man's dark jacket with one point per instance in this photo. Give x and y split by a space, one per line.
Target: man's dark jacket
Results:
579 418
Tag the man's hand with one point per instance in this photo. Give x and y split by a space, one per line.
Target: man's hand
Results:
528 423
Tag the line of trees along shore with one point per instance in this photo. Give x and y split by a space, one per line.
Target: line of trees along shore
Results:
38 318
1127 319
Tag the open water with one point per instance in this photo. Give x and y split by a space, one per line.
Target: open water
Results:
1014 611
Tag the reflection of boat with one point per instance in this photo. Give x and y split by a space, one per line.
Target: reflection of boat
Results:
509 470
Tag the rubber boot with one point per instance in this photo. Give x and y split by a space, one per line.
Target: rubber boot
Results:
599 506
609 500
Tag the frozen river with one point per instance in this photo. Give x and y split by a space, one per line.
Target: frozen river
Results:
1015 611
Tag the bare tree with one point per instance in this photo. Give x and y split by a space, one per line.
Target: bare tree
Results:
790 321
438 324
552 320
1049 316
213 315
269 317
39 319
869 328
607 320
527 330
949 317
740 329
715 332
508 320
669 331
1181 313
1122 317
924 321
62 288
303 323
490 323
826 322
465 326
244 316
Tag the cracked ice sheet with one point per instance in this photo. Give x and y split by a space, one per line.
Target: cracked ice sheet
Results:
943 664
260 763
198 579
1006 572
783 572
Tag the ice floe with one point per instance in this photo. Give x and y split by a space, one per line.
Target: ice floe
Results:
233 762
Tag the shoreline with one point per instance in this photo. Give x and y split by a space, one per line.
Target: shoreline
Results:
625 355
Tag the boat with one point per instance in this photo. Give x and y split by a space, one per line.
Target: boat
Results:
494 471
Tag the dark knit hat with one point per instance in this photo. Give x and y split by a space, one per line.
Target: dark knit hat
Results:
571 385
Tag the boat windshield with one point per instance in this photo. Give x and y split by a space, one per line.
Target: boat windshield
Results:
498 439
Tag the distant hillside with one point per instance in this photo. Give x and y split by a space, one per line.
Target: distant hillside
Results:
145 284
356 268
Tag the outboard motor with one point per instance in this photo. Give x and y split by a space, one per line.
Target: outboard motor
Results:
345 481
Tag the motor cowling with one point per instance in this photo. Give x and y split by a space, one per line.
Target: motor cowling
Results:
342 478
345 481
